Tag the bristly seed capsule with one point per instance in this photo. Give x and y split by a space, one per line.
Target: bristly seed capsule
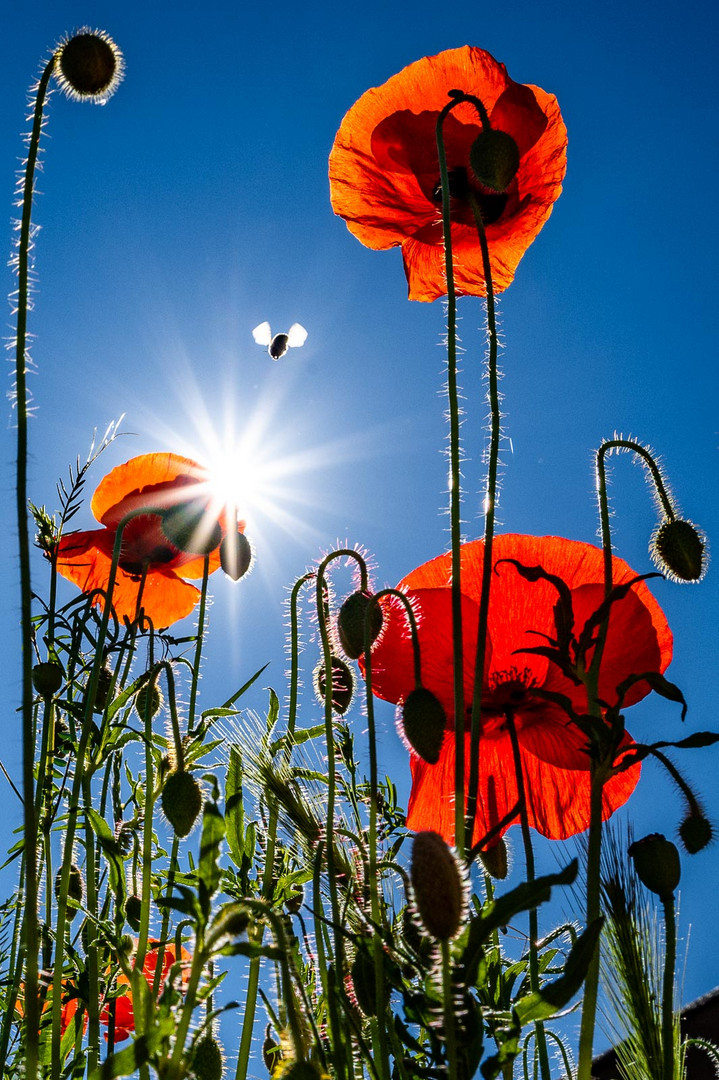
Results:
89 66
437 884
679 550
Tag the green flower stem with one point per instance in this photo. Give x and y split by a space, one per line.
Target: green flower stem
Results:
455 490
175 1069
670 957
294 659
93 998
30 930
591 984
649 463
148 821
200 639
544 1066
450 1038
165 926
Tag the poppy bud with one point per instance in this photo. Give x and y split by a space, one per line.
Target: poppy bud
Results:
678 549
656 861
494 860
423 722
190 528
133 911
89 66
148 701
232 921
270 1052
363 981
294 902
342 684
104 682
695 831
301 1070
438 886
47 678
235 555
181 801
494 157
208 1061
75 889
351 620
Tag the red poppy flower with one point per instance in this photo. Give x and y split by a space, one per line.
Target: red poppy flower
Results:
553 750
124 1016
158 481
384 169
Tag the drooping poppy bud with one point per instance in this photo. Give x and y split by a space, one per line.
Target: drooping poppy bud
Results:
494 860
342 684
695 831
679 550
494 158
423 723
438 885
351 623
75 889
235 555
190 528
208 1062
656 861
89 66
181 801
148 701
47 678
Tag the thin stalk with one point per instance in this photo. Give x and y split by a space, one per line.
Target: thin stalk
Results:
200 639
670 957
450 1038
591 984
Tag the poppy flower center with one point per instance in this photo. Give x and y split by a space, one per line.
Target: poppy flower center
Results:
508 691
144 545
491 203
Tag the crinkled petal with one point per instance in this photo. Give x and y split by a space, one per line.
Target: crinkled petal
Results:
123 488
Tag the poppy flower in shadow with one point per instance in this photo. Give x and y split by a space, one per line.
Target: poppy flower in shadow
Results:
553 749
161 548
385 180
124 1016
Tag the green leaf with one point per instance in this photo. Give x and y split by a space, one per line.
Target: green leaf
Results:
112 852
234 809
208 870
658 683
231 701
545 1002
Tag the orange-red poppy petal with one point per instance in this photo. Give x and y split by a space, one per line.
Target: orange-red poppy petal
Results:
138 474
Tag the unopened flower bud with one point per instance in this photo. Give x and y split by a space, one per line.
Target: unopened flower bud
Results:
47 678
695 831
656 861
102 691
89 66
342 684
133 911
362 974
207 1061
190 528
351 623
679 550
438 885
75 889
423 721
232 921
270 1052
301 1070
181 801
494 158
148 701
494 860
235 555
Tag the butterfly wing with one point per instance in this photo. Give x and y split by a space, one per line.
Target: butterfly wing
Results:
262 334
296 335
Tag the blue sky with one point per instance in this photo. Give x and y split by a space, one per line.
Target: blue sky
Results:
195 205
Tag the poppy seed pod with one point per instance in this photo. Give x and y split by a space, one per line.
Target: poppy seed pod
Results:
190 528
494 860
47 678
148 701
235 555
678 549
423 721
181 801
342 684
494 158
208 1062
695 831
656 861
351 623
438 886
89 66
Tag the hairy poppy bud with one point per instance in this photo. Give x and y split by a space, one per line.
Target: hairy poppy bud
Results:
494 157
207 1061
301 1070
148 701
494 860
235 555
294 902
89 66
190 528
271 1054
678 549
75 889
181 801
47 678
104 682
342 684
438 886
656 861
695 831
351 620
231 921
423 722
133 911
362 974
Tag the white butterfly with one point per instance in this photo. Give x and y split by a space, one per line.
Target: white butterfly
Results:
278 345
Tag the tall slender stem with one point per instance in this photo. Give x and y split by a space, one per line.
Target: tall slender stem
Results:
670 956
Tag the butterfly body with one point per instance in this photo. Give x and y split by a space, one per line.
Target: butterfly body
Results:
278 344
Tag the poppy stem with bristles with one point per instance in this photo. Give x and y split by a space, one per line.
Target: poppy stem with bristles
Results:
199 644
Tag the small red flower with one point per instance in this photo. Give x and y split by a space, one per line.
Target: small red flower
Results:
160 482
384 169
124 1016
553 750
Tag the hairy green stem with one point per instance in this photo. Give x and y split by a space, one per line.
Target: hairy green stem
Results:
670 957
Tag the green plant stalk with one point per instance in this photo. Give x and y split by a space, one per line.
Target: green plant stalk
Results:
649 464
455 490
591 984
450 1038
541 1041
198 649
93 1008
30 929
147 828
670 957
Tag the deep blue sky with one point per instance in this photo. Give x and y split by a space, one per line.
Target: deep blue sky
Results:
195 205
